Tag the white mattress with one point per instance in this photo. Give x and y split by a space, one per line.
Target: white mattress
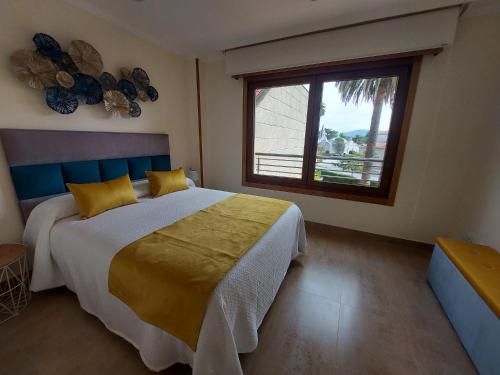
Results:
77 253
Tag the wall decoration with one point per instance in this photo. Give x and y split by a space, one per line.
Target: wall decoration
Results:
87 89
65 79
85 57
73 77
140 77
126 74
35 70
135 109
116 103
61 99
64 62
128 89
152 93
46 45
108 82
141 94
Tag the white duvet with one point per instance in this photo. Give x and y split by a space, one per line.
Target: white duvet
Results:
77 253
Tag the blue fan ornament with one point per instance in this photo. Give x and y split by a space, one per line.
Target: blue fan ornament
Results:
87 89
152 93
108 81
64 62
140 77
46 45
135 109
61 100
128 89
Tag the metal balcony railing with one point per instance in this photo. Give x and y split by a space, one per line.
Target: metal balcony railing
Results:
329 168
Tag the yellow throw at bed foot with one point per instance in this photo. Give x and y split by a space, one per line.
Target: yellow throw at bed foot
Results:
168 276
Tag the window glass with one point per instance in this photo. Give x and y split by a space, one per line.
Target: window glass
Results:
336 131
280 129
355 118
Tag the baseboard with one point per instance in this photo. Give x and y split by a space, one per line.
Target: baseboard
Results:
416 244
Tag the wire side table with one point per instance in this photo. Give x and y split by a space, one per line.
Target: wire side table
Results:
14 281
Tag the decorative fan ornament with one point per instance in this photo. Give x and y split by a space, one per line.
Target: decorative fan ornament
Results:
35 70
85 57
87 89
108 82
64 62
128 89
141 94
152 93
65 79
126 74
61 100
46 45
116 102
134 110
74 77
140 77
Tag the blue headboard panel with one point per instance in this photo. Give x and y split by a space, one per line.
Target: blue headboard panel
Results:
39 180
43 161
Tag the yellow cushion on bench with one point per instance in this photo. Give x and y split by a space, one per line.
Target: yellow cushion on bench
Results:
480 265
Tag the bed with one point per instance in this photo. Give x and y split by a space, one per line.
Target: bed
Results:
77 253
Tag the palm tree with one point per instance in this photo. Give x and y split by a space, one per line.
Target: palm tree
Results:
380 91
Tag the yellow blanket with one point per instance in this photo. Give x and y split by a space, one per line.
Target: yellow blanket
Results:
168 276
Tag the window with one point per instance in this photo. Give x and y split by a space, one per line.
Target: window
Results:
334 131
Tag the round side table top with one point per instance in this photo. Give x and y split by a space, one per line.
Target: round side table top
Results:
10 252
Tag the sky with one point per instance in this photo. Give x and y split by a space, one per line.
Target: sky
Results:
344 118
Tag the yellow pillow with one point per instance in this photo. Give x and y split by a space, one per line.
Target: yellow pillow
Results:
94 198
166 182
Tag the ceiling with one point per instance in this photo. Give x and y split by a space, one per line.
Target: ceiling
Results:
203 28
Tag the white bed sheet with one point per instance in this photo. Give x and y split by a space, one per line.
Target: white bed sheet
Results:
77 253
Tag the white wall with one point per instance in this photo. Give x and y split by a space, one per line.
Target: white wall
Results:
22 107
479 204
455 96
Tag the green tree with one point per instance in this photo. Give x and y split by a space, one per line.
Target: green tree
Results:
330 133
322 150
352 165
375 90
339 146
360 139
322 108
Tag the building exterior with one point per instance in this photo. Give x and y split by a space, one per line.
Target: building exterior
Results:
280 119
336 146
280 127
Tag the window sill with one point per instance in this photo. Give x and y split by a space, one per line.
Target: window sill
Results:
389 201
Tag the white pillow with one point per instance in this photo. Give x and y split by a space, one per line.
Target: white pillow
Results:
141 188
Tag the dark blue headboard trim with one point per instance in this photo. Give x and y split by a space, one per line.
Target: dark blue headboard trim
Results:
138 167
39 180
81 172
33 181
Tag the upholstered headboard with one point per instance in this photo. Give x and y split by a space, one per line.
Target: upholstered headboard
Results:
42 161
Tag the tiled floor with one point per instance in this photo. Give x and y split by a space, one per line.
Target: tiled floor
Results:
357 304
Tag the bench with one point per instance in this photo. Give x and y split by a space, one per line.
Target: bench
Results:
466 280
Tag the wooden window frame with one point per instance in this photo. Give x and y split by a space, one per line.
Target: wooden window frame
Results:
407 68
